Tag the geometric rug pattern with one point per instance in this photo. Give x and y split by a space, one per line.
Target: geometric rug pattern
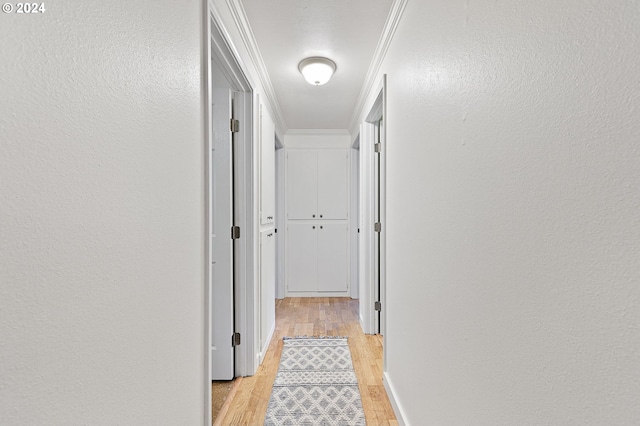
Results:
315 384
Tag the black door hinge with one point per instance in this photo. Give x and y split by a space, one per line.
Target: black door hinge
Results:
235 339
235 232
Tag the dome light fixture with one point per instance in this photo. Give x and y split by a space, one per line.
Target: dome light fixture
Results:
317 70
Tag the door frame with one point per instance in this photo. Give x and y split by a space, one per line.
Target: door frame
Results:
218 48
367 269
280 221
354 218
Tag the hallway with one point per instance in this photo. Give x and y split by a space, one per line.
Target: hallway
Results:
510 227
316 317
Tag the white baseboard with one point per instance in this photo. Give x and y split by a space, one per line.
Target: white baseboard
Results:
318 294
263 350
397 408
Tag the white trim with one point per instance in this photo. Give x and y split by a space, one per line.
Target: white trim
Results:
354 218
242 23
383 216
391 393
366 255
215 14
246 247
346 293
390 26
267 342
317 132
280 223
206 108
367 286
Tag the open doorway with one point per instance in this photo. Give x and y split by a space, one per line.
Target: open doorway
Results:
223 230
372 239
230 218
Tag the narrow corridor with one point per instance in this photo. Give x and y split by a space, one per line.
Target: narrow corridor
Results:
315 317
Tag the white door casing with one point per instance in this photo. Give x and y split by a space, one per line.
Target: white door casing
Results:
372 209
280 224
377 207
354 219
222 69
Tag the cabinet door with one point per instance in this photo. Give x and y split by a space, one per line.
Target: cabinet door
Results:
267 169
302 184
332 257
267 285
302 257
333 181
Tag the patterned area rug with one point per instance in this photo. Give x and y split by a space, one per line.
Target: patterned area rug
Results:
315 384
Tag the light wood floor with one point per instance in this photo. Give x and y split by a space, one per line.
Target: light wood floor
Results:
315 317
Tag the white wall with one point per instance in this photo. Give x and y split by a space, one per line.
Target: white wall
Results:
102 215
513 201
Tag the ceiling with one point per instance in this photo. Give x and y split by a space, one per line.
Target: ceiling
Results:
345 31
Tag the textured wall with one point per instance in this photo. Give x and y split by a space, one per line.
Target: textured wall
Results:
513 212
101 204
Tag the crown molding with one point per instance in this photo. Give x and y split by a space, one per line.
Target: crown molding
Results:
242 23
390 26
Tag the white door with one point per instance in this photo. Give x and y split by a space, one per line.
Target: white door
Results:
221 221
302 257
267 167
267 286
333 259
377 219
333 183
302 184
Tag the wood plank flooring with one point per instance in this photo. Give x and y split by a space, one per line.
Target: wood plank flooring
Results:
315 317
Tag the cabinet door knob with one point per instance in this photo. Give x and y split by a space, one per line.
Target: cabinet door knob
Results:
314 227
320 215
313 215
320 226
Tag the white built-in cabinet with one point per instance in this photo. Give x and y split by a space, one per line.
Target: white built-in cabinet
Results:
317 228
267 287
267 170
317 184
317 258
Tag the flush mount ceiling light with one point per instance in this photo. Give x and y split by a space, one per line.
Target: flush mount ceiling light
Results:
317 70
